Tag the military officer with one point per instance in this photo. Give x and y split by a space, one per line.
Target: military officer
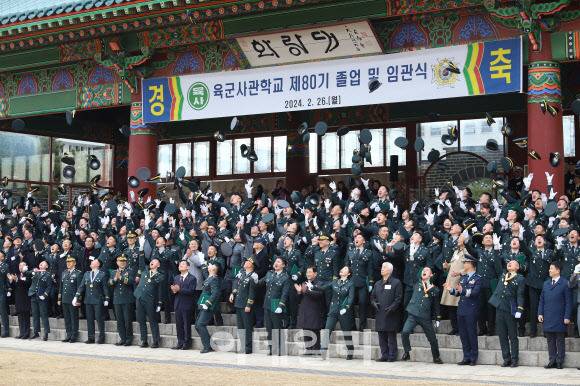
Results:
359 259
71 279
489 268
4 294
122 280
149 295
132 253
295 269
568 253
38 292
213 258
341 310
538 265
168 260
416 257
423 310
508 299
243 296
109 254
468 290
326 261
276 303
94 293
208 302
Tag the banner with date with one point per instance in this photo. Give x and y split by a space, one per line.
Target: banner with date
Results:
475 69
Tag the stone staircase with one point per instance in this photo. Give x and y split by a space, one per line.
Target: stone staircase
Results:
533 351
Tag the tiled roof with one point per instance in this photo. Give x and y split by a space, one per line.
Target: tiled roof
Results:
12 11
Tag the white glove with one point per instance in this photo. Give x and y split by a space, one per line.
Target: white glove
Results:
52 229
315 222
414 206
436 324
80 200
518 315
343 311
8 294
127 212
204 208
74 301
141 243
462 206
119 208
248 186
332 186
74 210
204 307
158 309
182 211
216 196
350 206
552 194
448 204
436 192
365 182
167 235
345 220
370 288
496 242
551 221
254 277
309 285
503 222
181 236
41 297
373 206
105 221
378 246
171 200
277 210
294 277
521 233
106 303
395 210
327 204
465 234
549 178
528 181
77 232
248 218
559 241
577 269
271 237
278 310
430 217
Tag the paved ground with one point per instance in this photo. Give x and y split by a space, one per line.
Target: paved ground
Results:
27 362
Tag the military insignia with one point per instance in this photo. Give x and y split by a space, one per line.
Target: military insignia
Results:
445 73
91 286
472 281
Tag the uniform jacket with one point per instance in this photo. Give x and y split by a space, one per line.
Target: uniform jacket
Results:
277 290
509 294
361 264
95 291
210 293
342 296
424 302
122 288
69 285
469 295
414 263
244 290
538 264
150 288
41 284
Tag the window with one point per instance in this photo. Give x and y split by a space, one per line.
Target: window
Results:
348 143
224 157
476 132
313 154
434 141
263 148
241 164
183 157
280 150
569 136
435 131
81 152
201 158
330 149
377 148
165 159
392 134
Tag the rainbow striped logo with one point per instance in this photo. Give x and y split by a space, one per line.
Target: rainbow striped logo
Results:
471 71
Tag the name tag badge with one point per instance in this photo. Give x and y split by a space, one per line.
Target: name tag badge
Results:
387 286
72 281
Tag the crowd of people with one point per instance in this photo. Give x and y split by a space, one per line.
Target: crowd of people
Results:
299 260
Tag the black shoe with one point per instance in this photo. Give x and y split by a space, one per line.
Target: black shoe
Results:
521 333
463 363
155 345
472 363
168 320
490 333
119 343
248 351
89 341
45 337
391 360
65 340
550 365
127 343
206 350
178 347
5 335
533 334
144 345
18 337
406 356
452 332
73 340
349 357
482 333
437 361
101 341
514 364
381 360
36 335
506 364
559 366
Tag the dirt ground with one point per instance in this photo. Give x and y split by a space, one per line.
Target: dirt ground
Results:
23 368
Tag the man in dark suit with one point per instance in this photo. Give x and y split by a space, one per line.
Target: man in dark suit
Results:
555 312
387 297
183 288
468 289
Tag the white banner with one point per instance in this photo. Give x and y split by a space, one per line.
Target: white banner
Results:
476 69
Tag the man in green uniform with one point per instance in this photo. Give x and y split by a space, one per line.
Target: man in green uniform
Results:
149 295
168 260
121 280
275 303
132 253
508 299
242 297
295 269
359 259
208 302
95 291
38 292
70 281
423 310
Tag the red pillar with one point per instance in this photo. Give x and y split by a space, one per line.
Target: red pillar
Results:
544 130
142 149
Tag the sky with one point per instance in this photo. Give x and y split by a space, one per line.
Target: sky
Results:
14 6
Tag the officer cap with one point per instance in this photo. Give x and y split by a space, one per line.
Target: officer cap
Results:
323 237
70 258
131 235
121 258
468 258
251 260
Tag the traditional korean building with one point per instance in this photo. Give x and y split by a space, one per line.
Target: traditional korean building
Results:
146 86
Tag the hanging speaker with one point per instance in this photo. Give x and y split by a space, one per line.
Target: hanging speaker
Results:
394 169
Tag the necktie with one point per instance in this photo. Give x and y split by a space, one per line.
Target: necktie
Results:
553 283
92 276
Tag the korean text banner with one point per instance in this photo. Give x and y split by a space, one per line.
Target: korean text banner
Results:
476 69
